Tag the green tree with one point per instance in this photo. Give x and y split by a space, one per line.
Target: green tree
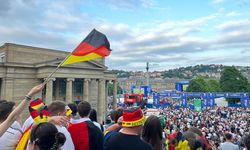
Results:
198 85
232 80
214 85
110 87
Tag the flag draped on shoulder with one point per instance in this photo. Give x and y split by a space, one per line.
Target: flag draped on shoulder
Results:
95 45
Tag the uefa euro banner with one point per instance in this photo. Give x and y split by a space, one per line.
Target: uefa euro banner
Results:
198 105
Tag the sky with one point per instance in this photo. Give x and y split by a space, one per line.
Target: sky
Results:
166 33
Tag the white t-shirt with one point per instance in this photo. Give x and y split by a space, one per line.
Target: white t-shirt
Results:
27 123
9 140
68 145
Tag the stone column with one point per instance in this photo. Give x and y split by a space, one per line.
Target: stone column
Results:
49 91
7 88
106 93
101 106
69 90
115 95
86 90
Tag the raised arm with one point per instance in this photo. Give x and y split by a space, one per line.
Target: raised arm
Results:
15 113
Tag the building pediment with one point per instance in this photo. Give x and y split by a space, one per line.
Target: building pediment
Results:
86 64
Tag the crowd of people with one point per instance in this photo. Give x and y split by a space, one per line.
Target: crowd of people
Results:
212 124
75 126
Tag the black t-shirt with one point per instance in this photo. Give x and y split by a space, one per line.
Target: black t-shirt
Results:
120 141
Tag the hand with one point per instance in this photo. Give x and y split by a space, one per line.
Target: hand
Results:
59 120
36 89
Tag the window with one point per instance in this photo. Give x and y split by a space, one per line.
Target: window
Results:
62 87
78 87
2 55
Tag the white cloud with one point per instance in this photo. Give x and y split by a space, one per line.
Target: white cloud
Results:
129 4
234 25
218 1
170 42
232 14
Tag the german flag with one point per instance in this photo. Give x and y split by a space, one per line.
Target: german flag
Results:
35 115
95 45
36 104
86 136
22 143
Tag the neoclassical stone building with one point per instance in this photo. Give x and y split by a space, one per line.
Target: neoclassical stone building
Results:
22 67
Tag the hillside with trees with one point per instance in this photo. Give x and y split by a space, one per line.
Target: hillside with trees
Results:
207 71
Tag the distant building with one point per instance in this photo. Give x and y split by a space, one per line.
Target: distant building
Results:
156 83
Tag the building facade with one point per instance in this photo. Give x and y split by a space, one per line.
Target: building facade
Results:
22 67
157 84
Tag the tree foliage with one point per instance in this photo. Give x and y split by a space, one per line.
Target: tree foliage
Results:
232 80
198 85
110 87
214 85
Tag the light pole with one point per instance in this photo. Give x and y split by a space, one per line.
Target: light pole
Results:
147 67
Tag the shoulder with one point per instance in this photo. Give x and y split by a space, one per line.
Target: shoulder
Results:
97 124
236 147
146 145
112 136
62 129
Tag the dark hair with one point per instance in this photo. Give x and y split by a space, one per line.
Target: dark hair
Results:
56 107
152 132
46 136
195 130
73 107
113 114
6 108
191 137
228 136
119 113
84 108
247 141
92 115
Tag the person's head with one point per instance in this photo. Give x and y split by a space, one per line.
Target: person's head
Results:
73 107
6 108
113 115
195 130
45 136
228 137
84 109
247 141
57 108
152 132
119 113
192 139
92 115
133 118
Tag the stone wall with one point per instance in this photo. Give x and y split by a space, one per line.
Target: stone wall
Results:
31 55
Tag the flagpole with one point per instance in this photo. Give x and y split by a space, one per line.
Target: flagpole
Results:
92 33
53 72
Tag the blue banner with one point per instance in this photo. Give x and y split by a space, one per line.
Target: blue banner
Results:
204 98
156 97
184 99
208 98
245 100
